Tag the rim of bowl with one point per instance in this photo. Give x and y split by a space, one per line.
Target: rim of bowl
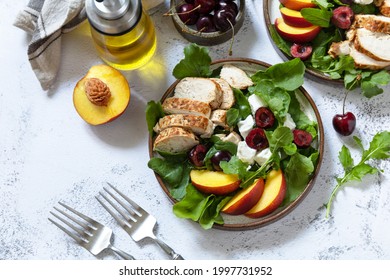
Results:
286 210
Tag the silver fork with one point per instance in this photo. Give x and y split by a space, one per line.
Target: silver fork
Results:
138 223
89 233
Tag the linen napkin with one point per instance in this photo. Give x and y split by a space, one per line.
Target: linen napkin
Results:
46 21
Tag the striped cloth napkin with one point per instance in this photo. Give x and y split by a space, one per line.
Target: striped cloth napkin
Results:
46 21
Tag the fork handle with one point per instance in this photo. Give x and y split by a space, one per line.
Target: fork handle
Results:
168 249
122 254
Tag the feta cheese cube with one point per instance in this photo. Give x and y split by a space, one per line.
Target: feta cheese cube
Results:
363 2
245 153
245 126
289 122
262 156
256 102
233 137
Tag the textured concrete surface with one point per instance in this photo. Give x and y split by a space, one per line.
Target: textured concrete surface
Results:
49 154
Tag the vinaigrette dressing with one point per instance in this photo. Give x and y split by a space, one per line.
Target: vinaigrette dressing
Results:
123 34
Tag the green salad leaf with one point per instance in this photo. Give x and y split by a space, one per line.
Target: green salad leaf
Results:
154 112
298 173
201 208
379 149
176 175
320 17
196 63
287 75
324 3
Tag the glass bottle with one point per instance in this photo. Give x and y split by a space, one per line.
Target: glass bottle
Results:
123 33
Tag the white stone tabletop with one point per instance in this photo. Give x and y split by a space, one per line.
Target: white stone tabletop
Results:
49 154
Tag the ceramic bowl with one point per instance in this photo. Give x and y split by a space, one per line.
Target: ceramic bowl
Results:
271 12
308 106
206 38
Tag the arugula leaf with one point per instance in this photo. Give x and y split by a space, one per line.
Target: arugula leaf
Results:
281 137
196 63
232 117
176 175
211 213
236 166
276 98
201 208
154 112
379 149
323 3
320 17
241 104
287 75
370 85
363 9
192 205
298 173
346 159
300 118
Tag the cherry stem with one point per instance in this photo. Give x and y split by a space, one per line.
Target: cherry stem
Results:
232 40
345 97
182 13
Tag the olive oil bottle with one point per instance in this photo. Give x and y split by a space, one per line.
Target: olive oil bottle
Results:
123 33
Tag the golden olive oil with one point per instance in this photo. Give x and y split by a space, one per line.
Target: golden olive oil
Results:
123 33
130 50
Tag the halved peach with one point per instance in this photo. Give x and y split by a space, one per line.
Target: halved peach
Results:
214 182
101 95
245 199
294 18
296 34
298 4
272 197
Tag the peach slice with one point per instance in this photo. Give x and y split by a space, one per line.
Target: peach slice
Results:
294 18
296 34
297 4
101 95
273 195
245 199
214 182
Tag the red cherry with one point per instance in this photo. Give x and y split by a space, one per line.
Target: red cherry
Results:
344 123
264 117
342 17
197 155
302 138
301 51
256 139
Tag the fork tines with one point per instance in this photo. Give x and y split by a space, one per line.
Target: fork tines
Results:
85 225
133 212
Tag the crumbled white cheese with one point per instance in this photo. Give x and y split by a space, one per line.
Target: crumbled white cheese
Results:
289 122
245 126
363 2
245 153
262 156
233 137
256 102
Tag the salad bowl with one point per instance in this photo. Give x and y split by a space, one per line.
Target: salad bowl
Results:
307 105
271 12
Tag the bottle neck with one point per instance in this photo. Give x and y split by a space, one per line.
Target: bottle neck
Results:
111 9
109 21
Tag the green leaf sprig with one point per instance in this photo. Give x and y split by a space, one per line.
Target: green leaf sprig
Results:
379 149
